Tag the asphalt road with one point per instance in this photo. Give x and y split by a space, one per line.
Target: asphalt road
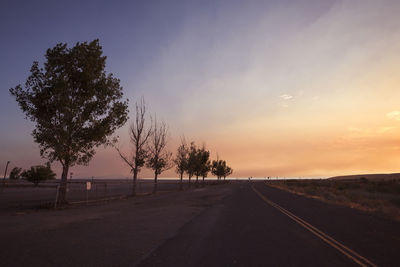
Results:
245 230
237 224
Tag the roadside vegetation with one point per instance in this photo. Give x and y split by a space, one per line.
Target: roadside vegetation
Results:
36 174
378 196
149 148
76 107
15 173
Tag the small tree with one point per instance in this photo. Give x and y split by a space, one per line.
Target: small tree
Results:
159 159
38 173
15 173
192 161
139 135
76 106
205 163
181 160
201 163
220 169
198 164
228 171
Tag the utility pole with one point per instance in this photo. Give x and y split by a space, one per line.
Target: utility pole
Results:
5 172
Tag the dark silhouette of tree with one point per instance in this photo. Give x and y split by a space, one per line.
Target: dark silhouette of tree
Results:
181 160
192 162
198 162
39 173
15 173
202 163
220 169
228 171
159 159
205 162
139 135
198 167
76 106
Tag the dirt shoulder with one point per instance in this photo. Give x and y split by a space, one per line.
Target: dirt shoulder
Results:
118 233
381 197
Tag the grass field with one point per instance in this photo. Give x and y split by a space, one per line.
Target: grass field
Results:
378 196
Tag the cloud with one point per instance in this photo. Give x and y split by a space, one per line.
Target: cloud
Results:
286 96
395 115
355 132
385 129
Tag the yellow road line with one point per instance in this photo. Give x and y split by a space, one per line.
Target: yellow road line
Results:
329 240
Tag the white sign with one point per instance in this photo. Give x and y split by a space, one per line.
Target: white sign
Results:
88 185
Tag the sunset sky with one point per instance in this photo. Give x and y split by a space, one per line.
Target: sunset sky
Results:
276 88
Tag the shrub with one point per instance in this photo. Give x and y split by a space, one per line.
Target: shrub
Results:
15 173
38 174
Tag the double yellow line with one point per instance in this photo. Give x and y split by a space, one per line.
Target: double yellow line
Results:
357 258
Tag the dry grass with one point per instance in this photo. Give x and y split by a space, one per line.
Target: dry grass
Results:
379 196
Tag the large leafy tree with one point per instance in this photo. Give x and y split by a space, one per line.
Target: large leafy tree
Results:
76 106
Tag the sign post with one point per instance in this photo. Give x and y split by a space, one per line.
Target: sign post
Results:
88 187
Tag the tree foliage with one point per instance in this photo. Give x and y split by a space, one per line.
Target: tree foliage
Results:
181 160
39 173
202 163
205 162
192 161
76 106
15 173
220 169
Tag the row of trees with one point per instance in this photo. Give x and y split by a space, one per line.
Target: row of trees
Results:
149 149
196 162
76 106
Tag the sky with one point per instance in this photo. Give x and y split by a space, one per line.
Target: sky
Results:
275 88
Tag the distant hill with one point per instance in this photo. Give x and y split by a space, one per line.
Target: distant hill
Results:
381 176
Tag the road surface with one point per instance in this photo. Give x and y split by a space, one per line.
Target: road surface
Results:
237 224
246 230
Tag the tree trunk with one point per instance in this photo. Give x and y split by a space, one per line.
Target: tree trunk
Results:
190 180
203 180
197 180
134 182
155 183
62 197
224 178
181 184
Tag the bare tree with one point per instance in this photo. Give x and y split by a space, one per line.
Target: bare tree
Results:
159 159
181 160
139 136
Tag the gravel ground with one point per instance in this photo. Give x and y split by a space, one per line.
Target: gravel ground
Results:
118 233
